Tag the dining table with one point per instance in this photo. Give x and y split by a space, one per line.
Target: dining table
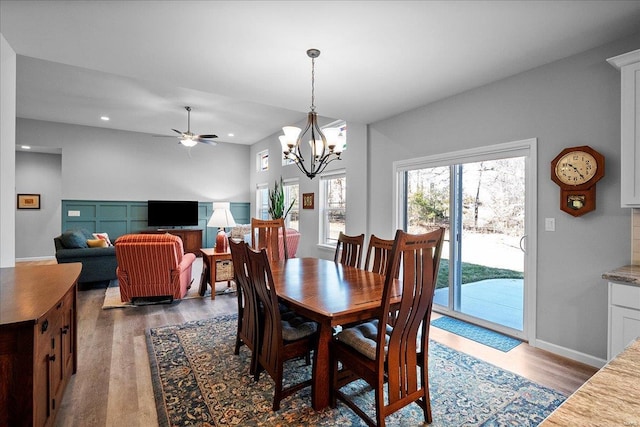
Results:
330 294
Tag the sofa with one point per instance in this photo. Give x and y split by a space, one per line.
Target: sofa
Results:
98 260
152 265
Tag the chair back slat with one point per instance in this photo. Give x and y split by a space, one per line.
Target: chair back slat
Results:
267 234
419 257
349 250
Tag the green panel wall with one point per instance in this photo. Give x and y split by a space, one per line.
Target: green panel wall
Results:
122 217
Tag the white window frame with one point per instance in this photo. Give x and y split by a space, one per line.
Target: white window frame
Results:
262 201
262 161
323 229
287 197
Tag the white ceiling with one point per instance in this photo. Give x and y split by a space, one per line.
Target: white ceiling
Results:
242 65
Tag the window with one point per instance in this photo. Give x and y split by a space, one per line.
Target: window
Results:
262 161
291 192
262 201
333 208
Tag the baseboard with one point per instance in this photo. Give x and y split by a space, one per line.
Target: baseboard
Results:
571 354
38 258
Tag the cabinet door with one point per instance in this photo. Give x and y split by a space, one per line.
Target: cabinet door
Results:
630 135
624 328
66 335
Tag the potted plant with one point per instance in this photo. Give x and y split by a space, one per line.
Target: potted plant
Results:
277 203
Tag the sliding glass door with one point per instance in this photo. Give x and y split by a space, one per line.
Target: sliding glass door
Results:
481 201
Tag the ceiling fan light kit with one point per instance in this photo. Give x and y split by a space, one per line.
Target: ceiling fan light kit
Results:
324 147
189 139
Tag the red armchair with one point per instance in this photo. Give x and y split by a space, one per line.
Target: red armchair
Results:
152 265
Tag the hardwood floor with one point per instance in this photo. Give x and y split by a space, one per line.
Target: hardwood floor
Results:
113 384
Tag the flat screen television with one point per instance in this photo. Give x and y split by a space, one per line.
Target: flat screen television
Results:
172 213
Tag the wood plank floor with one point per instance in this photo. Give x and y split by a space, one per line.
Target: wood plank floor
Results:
113 384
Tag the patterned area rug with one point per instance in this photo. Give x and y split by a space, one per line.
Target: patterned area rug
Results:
198 381
476 333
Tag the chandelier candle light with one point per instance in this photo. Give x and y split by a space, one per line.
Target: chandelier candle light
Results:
221 218
324 146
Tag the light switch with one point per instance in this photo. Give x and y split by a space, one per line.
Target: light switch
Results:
550 224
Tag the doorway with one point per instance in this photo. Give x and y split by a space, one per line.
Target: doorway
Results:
484 200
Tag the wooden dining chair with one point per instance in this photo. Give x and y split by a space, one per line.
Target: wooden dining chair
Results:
380 353
378 255
269 234
283 336
349 250
248 314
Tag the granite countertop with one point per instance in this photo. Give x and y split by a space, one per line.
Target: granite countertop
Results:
610 398
626 274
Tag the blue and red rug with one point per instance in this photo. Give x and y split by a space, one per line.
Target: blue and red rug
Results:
198 381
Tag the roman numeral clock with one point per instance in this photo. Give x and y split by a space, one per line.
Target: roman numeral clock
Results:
577 170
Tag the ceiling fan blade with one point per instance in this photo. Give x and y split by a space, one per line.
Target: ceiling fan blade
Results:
208 142
207 136
177 131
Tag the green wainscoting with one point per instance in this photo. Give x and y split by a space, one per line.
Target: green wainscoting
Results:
122 217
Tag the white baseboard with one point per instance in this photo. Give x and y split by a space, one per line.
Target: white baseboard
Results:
571 354
38 258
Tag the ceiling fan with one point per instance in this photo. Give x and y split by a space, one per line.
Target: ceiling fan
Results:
189 139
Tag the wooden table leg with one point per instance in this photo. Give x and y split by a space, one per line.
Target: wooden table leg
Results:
321 387
212 272
203 279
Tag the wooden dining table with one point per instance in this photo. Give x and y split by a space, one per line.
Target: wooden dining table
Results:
330 294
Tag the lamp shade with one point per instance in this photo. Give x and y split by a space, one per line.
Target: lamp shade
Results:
221 218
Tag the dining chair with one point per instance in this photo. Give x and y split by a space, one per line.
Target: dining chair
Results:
267 234
377 260
379 353
283 336
248 315
349 250
378 255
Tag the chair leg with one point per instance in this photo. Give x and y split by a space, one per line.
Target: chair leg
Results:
380 405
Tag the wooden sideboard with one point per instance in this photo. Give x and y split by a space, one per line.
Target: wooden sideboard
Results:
38 342
191 238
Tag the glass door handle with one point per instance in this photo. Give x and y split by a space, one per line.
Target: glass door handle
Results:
521 244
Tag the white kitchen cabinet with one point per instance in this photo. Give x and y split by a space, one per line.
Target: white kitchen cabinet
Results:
629 66
624 317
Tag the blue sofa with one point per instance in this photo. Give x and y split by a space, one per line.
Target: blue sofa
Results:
98 264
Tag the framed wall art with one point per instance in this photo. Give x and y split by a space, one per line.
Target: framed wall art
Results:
28 201
307 200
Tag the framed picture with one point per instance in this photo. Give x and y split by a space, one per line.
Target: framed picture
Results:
307 200
28 201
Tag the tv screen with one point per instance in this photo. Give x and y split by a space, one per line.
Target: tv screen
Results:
172 213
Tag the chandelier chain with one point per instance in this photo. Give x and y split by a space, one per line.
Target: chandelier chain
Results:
313 86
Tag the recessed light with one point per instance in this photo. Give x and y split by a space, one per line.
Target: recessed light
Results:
26 147
104 118
230 134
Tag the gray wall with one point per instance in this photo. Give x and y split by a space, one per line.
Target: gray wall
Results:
575 101
7 153
35 228
104 164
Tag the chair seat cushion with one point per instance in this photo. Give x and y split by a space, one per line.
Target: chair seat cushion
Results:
295 327
362 338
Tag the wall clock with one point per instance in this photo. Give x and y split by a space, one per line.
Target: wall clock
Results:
577 170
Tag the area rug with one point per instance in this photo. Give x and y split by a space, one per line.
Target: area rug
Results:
198 381
476 333
112 295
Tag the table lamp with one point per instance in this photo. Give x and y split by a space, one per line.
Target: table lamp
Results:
221 218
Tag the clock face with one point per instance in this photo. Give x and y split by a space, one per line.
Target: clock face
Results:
576 168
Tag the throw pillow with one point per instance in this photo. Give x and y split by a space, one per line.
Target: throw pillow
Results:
72 239
97 243
103 236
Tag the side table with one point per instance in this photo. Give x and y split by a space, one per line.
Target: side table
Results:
210 259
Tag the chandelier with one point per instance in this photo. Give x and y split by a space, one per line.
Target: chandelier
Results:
324 147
